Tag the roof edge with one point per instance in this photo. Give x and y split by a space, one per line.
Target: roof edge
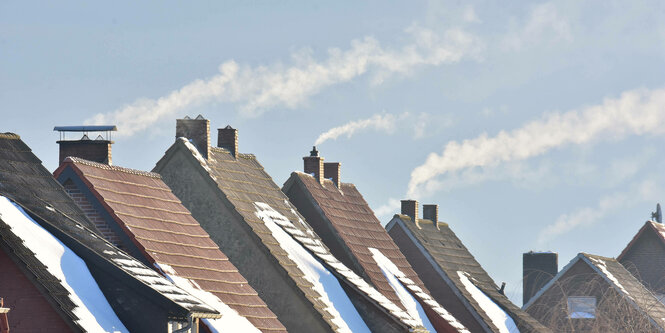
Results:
10 136
78 160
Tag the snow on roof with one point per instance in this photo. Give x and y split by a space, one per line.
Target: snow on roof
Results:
231 321
603 267
92 309
500 318
338 303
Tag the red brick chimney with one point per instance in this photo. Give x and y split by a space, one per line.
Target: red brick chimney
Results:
431 212
227 138
97 150
314 165
410 209
331 170
197 130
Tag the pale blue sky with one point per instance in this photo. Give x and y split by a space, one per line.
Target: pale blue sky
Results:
575 88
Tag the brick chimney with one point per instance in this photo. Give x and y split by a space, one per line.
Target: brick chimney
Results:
97 150
197 130
331 170
314 165
410 209
227 138
431 212
538 268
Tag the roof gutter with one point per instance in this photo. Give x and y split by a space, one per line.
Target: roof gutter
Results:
190 321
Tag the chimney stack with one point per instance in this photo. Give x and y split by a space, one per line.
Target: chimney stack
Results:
331 170
227 138
538 268
97 150
410 209
197 130
431 212
314 165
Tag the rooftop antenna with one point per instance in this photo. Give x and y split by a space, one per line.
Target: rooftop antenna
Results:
658 214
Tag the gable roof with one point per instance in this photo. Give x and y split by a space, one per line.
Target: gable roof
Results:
448 256
25 181
620 280
657 228
244 183
169 237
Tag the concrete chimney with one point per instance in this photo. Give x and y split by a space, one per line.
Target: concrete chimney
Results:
431 212
331 170
410 209
538 268
314 165
97 150
227 138
197 130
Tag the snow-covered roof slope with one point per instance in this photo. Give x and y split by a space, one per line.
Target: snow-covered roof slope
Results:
499 317
91 309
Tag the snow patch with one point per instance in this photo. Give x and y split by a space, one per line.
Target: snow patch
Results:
602 266
325 283
91 307
500 318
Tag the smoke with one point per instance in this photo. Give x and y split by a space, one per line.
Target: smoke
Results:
635 112
378 122
257 89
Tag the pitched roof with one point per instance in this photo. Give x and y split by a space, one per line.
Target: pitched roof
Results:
359 229
657 228
444 250
157 222
25 181
620 280
244 183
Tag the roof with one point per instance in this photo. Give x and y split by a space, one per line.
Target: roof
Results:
167 234
25 181
360 230
620 280
103 128
244 183
445 251
657 228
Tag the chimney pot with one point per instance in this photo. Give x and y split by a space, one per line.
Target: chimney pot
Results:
538 268
331 170
431 212
98 150
410 209
227 138
197 130
314 165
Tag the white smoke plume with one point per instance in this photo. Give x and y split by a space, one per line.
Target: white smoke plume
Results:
257 89
635 112
379 122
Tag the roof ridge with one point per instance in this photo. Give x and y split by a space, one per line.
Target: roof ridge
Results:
10 136
113 167
226 151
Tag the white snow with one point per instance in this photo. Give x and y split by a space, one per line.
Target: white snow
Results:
601 265
500 318
392 272
325 283
92 309
231 321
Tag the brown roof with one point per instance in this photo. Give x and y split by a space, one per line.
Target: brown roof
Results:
157 222
244 182
451 256
359 229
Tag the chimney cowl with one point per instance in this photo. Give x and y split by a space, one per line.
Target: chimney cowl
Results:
313 165
197 131
98 150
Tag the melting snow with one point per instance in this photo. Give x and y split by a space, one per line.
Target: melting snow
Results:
231 321
325 283
91 307
601 265
392 273
500 318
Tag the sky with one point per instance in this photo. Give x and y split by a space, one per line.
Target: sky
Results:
533 125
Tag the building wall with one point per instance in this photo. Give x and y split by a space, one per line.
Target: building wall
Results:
30 310
244 249
437 286
646 261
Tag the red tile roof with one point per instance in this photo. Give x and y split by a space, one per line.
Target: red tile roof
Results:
157 222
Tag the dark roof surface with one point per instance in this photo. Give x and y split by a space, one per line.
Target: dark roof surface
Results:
450 254
24 180
657 228
244 182
168 234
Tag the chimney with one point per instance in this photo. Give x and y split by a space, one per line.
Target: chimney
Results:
431 212
97 150
538 268
331 170
227 138
314 165
410 208
197 130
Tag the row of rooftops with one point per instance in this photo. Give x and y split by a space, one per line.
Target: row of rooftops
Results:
209 218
